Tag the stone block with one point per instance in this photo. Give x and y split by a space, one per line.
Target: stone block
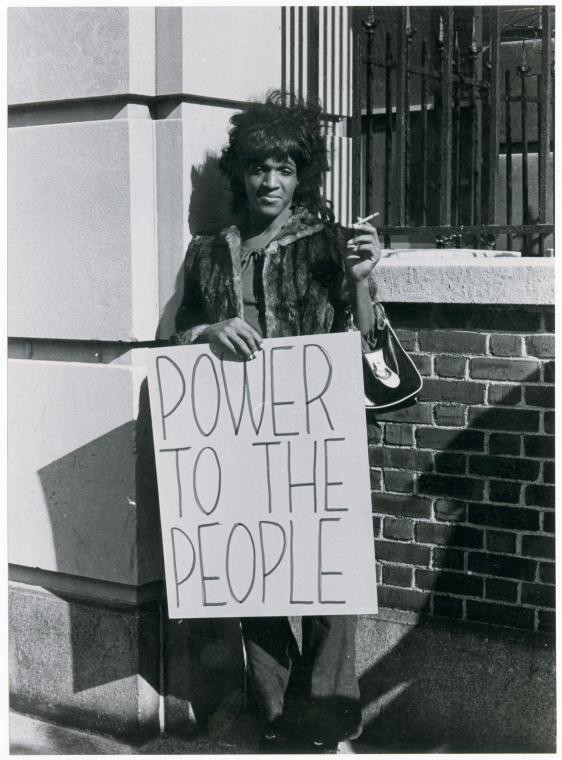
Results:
81 231
82 492
68 53
192 40
464 276
84 665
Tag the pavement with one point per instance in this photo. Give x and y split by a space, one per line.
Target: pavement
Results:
30 736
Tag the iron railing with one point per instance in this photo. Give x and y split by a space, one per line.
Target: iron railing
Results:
441 118
446 107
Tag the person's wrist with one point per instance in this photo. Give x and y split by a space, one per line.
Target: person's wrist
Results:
203 336
362 285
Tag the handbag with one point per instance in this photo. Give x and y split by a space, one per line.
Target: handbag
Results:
391 378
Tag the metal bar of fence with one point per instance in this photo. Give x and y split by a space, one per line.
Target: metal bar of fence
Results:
325 58
333 52
400 153
368 163
341 190
300 50
407 124
523 71
356 115
494 125
545 95
313 48
540 176
423 136
508 156
475 158
283 49
446 39
387 133
457 133
292 49
332 94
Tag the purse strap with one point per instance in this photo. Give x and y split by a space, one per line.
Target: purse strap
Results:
380 315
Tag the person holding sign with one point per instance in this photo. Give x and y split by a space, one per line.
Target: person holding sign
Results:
285 270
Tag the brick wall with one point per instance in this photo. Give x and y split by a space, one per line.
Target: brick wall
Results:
463 482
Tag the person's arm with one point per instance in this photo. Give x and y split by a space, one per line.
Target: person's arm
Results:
361 255
190 320
232 338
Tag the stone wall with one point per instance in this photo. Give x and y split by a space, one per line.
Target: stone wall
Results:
115 118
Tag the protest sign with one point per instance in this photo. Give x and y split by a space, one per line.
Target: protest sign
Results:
263 479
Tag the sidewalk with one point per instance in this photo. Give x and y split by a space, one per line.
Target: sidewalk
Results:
29 736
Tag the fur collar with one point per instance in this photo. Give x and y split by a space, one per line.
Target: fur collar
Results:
301 224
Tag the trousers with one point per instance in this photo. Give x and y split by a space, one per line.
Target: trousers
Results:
313 691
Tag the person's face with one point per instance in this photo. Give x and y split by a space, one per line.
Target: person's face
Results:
270 186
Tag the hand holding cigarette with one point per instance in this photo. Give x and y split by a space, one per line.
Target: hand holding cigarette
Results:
363 251
367 218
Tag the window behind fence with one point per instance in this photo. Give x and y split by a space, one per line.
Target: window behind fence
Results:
440 118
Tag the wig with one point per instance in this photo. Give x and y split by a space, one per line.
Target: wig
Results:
282 127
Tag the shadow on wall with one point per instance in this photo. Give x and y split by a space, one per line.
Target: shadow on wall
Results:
209 211
88 539
479 693
209 204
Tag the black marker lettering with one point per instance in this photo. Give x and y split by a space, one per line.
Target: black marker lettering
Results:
164 415
318 397
321 572
292 567
178 582
309 484
193 395
251 586
264 571
272 380
219 481
205 578
267 444
178 478
246 397
330 483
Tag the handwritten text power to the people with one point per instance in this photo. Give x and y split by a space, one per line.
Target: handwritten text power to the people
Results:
263 479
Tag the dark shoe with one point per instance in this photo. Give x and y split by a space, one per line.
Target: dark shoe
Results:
319 748
275 740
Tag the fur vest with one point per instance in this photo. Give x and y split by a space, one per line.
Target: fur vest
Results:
305 286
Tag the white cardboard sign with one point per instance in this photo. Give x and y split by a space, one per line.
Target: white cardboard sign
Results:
263 479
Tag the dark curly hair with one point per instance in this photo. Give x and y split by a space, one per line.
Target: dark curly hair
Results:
281 127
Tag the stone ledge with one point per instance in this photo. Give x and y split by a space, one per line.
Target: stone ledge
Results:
464 276
88 590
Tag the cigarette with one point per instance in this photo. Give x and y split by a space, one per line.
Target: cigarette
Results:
366 218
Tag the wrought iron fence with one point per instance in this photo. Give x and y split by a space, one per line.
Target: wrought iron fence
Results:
441 118
448 120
